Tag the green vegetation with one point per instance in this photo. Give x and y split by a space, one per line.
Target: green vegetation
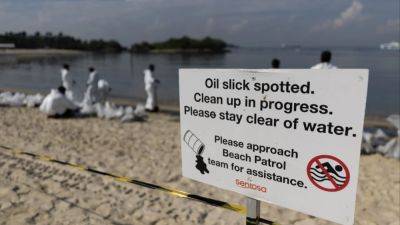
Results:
182 45
59 41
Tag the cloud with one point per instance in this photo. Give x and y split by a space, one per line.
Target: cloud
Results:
348 15
247 23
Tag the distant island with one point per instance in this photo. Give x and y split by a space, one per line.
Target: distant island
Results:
183 45
36 41
23 40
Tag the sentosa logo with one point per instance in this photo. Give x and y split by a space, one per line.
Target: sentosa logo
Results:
248 185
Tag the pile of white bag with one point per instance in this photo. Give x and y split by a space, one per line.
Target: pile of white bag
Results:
111 111
108 110
105 110
20 99
379 141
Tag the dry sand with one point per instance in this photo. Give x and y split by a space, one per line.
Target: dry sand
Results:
33 192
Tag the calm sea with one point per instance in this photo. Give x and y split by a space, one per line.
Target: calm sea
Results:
124 71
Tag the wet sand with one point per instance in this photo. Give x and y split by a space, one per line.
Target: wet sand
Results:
33 192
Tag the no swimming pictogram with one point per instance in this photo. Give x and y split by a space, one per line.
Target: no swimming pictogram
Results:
328 173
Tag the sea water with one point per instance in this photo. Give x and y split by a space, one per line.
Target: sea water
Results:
125 71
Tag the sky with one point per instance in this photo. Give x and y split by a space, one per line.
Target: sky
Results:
241 22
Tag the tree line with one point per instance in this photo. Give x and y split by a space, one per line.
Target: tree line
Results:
58 41
183 44
62 41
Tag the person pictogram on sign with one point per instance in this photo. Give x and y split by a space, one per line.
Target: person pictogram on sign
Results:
328 173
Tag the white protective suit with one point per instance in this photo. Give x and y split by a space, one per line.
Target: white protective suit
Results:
150 85
91 95
56 104
324 65
68 83
103 90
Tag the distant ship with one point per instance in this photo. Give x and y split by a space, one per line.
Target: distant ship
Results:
394 45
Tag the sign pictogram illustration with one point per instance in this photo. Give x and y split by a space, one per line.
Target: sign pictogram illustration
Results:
328 173
197 146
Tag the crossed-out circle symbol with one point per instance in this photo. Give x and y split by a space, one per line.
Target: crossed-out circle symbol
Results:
328 173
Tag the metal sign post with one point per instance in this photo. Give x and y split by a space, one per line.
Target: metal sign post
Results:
253 211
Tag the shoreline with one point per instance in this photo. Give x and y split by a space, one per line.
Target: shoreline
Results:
39 52
35 54
181 51
370 121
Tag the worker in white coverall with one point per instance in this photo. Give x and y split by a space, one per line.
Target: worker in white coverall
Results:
68 83
325 61
103 90
92 90
57 105
150 83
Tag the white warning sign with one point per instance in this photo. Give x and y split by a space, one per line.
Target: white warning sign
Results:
287 137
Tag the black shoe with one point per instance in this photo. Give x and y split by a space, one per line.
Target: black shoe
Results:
156 109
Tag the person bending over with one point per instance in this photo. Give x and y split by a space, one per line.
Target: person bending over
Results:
57 105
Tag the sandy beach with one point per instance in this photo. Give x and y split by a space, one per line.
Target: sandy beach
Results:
284 104
34 192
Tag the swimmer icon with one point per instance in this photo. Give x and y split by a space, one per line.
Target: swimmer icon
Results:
328 173
198 147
